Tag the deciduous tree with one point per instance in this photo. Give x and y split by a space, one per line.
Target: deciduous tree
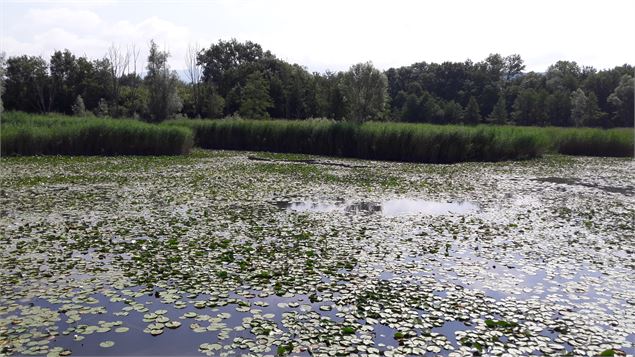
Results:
255 98
164 100
472 114
499 113
364 89
623 101
79 109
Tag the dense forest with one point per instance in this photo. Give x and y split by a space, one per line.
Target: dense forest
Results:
232 78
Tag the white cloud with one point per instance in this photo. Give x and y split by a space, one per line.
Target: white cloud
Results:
75 20
84 32
335 34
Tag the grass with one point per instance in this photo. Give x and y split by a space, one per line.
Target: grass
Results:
616 142
407 142
373 140
26 134
594 142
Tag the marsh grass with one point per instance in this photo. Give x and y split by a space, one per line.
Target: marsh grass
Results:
408 142
27 134
594 142
378 141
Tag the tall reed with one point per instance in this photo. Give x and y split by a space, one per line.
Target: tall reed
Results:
373 140
26 134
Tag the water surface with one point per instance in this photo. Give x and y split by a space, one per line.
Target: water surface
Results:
393 207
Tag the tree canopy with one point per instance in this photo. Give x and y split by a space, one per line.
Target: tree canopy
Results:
241 78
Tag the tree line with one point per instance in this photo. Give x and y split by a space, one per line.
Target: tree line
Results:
232 78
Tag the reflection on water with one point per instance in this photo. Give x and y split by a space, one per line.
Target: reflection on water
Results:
395 207
449 329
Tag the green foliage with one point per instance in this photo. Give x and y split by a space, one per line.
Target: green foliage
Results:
426 108
529 107
500 324
255 97
563 75
623 100
452 112
284 350
558 108
78 107
407 142
28 85
102 108
164 100
133 101
364 90
578 107
221 61
348 330
24 134
472 112
499 113
372 140
240 77
593 142
63 69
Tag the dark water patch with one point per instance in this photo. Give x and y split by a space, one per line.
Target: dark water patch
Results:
627 190
386 275
449 328
179 341
182 340
385 335
395 207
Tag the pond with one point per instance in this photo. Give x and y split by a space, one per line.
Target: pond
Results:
219 254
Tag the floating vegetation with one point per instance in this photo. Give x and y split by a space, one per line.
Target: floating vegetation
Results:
106 344
188 255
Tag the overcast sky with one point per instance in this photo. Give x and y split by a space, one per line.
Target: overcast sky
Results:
333 34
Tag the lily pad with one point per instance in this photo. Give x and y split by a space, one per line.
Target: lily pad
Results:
172 324
106 344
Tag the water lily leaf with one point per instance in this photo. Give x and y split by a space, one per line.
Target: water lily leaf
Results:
106 344
172 324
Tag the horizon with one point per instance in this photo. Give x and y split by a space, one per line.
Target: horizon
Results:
41 27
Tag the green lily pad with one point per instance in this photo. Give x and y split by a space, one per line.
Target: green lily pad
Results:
173 324
106 344
156 332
